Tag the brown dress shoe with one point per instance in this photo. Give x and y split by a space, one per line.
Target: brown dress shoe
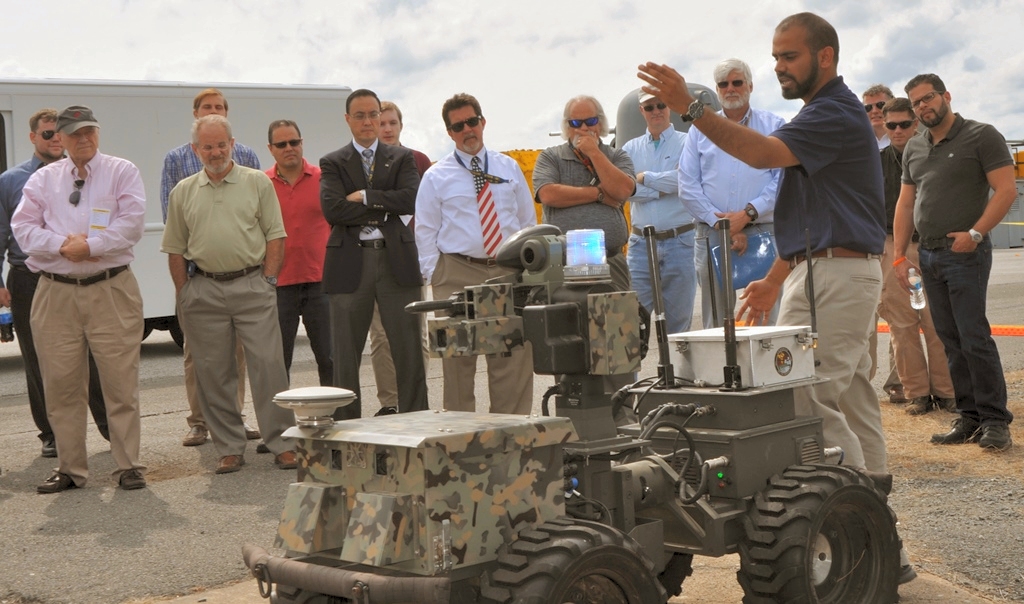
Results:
250 432
56 483
230 463
287 460
195 437
897 395
920 405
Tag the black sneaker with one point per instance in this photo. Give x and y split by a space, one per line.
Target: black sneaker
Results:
386 411
131 480
963 430
995 437
49 448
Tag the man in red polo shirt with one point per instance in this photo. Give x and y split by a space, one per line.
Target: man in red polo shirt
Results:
299 294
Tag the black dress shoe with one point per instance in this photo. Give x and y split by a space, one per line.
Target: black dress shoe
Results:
49 448
964 430
995 437
57 483
386 411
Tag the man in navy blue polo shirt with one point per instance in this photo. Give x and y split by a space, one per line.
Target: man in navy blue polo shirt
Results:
831 200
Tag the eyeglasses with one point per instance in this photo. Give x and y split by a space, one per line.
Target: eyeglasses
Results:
735 84
905 125
650 108
295 142
472 122
925 99
47 134
590 121
76 195
877 105
361 117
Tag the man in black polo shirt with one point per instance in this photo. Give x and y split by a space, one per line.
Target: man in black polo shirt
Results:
947 174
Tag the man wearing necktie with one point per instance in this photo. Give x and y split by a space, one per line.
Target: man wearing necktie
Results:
468 203
368 193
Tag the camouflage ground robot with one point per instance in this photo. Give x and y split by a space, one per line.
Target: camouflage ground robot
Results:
580 506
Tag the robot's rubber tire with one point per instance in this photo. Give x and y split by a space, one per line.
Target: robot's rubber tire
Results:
568 560
820 534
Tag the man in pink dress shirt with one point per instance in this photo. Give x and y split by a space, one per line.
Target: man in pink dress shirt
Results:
78 221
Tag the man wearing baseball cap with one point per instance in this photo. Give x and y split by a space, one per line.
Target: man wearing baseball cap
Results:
78 221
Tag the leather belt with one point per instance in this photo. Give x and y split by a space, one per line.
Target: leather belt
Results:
480 261
227 276
832 252
110 272
937 243
669 234
372 243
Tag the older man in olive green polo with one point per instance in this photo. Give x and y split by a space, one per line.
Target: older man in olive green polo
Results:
225 240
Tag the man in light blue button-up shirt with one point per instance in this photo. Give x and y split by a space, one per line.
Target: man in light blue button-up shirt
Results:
656 202
715 185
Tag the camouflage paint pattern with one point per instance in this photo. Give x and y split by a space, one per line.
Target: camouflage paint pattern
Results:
493 300
473 337
614 325
313 519
381 530
404 475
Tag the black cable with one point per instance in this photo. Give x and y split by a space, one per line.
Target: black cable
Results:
556 389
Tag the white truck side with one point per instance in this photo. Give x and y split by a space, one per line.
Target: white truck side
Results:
142 121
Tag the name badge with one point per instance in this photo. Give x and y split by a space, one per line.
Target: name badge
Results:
99 220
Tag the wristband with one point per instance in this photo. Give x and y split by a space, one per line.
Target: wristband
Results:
898 261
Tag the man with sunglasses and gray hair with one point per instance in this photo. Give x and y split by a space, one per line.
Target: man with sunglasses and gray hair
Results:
655 156
78 222
583 183
714 185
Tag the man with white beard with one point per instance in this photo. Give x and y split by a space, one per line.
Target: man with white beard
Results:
715 185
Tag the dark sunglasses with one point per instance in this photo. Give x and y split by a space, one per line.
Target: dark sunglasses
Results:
590 121
650 108
76 195
295 142
901 125
725 84
877 105
472 122
47 134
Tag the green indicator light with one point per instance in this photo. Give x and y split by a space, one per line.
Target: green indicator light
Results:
721 475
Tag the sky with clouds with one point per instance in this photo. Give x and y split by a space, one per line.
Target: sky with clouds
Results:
521 59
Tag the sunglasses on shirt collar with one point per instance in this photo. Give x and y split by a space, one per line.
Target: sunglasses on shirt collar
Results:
878 105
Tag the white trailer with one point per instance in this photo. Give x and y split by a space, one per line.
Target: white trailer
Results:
142 121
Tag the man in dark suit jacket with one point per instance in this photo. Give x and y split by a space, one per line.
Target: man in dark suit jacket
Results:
368 195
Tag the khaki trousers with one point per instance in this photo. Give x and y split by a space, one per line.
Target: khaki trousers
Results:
67 322
509 379
195 413
920 375
216 315
846 295
383 365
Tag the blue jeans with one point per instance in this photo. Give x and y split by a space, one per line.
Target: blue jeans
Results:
308 301
678 281
957 288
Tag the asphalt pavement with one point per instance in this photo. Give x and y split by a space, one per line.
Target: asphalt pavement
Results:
182 536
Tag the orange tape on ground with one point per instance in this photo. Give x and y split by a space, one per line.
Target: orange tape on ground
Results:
997 330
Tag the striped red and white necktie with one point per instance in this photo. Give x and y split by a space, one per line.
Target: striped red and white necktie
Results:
489 225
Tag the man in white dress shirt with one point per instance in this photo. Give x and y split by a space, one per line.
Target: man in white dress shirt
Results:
468 203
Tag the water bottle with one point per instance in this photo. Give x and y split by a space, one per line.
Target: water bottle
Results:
6 325
916 290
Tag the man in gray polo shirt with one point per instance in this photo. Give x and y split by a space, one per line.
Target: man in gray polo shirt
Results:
947 174
583 183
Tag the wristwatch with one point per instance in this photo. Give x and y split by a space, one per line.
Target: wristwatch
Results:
751 212
600 195
695 111
976 237
271 279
